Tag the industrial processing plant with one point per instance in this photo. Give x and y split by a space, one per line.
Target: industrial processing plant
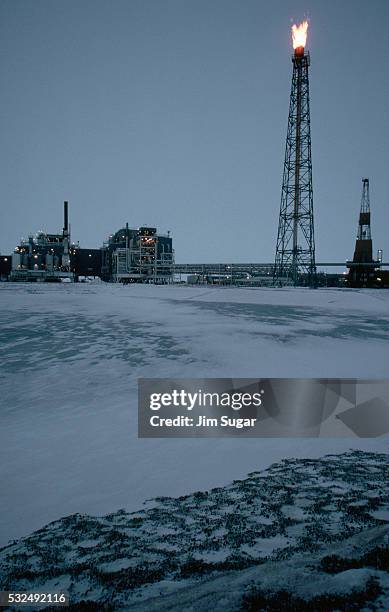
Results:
137 255
129 255
143 255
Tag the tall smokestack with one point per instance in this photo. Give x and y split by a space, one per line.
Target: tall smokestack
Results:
65 218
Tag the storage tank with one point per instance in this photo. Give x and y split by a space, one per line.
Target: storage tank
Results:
65 260
49 261
16 261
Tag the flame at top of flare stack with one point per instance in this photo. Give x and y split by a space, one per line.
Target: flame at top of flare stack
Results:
299 37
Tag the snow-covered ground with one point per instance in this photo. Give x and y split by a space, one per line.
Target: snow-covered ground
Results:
71 356
313 532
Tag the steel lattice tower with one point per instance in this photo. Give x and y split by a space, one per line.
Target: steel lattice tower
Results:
360 275
295 251
363 248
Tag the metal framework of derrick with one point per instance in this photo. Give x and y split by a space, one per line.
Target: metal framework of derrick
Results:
363 267
295 250
364 247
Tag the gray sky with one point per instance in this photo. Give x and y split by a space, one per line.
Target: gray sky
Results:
173 113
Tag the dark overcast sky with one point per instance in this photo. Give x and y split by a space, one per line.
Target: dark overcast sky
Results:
173 113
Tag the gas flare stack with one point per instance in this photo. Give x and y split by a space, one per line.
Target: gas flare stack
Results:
295 251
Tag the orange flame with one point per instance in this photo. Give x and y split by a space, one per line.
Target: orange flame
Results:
299 34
